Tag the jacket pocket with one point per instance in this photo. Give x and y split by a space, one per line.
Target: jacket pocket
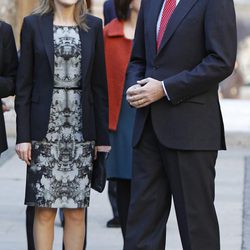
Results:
197 99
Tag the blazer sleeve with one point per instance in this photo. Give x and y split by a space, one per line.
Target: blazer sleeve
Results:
10 62
137 65
108 11
100 92
221 47
105 13
24 84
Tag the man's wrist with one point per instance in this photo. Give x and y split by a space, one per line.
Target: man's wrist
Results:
165 91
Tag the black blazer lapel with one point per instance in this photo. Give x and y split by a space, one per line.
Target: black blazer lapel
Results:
86 43
180 12
46 26
152 19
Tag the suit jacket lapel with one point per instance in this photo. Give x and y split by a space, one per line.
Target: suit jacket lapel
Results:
46 26
86 43
180 12
153 17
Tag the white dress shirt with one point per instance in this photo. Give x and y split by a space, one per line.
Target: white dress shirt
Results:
157 32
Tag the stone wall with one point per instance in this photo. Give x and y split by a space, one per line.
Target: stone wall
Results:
13 11
97 7
8 11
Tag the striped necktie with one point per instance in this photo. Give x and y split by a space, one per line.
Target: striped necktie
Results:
168 10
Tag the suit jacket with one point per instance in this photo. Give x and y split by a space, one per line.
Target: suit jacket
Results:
35 79
8 67
109 11
197 52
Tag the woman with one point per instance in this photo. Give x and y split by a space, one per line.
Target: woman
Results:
118 38
62 114
8 67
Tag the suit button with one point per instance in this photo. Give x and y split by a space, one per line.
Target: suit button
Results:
156 67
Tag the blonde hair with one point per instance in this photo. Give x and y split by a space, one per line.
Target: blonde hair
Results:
48 6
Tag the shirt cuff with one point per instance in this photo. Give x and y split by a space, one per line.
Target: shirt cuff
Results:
165 91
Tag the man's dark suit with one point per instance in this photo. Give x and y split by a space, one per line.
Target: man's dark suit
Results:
8 68
176 140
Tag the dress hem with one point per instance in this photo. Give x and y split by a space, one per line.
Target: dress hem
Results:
33 204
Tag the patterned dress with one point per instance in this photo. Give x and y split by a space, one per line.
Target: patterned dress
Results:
61 167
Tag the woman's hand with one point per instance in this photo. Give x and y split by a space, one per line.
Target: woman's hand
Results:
105 149
23 150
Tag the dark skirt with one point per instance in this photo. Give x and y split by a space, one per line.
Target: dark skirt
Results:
119 164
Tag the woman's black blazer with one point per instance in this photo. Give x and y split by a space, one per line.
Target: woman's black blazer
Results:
35 79
8 68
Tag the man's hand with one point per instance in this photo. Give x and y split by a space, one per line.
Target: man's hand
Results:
145 92
23 150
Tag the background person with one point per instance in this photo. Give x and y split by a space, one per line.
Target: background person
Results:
109 14
61 76
8 68
118 36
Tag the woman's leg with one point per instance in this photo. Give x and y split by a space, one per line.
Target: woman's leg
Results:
74 228
44 228
123 199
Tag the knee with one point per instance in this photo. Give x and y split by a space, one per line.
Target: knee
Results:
45 215
74 215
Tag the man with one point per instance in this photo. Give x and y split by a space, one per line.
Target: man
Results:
182 50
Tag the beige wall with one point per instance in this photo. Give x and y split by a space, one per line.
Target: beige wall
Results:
97 7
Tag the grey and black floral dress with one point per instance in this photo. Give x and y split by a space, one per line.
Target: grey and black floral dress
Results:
61 167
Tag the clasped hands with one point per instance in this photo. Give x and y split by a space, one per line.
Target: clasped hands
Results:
145 92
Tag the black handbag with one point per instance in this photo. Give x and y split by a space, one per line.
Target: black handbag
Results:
99 176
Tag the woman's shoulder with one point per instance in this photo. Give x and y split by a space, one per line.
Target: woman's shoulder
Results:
33 18
93 21
114 28
114 24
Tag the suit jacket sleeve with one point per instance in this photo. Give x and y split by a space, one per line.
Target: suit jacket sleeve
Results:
100 91
108 11
24 84
137 65
10 61
221 47
105 13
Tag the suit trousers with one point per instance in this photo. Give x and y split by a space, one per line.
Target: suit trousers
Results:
160 174
123 199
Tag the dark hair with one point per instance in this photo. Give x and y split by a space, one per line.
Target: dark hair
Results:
122 9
